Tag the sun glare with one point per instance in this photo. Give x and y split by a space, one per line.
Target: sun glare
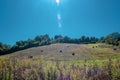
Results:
59 16
57 1
59 25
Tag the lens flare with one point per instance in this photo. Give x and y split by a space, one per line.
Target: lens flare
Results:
57 1
59 25
59 16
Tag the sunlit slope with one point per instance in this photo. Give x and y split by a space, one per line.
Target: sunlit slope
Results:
71 52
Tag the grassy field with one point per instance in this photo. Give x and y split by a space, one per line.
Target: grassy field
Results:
62 62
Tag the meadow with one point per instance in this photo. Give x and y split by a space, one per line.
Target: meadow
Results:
57 62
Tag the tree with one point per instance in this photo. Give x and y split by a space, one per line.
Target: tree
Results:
83 38
113 38
58 39
102 39
45 40
38 38
66 39
93 40
4 48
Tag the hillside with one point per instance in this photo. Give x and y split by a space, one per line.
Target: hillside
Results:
71 52
62 62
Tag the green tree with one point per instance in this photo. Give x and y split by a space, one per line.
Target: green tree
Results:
113 38
59 39
102 39
4 48
66 39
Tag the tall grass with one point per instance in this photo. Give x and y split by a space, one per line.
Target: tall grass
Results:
36 68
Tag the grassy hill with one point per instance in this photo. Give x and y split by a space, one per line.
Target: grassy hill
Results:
71 52
62 62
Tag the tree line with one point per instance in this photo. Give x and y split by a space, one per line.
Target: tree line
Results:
112 39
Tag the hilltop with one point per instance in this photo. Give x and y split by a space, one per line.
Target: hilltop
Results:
71 51
43 40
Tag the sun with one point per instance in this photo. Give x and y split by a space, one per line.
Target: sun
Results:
57 1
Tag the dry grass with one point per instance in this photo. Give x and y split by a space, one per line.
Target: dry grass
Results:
50 64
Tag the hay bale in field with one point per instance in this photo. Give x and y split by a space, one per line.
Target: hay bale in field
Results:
114 49
68 46
60 51
73 54
41 51
30 57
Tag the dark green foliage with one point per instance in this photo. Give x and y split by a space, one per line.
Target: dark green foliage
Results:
113 39
102 39
58 39
4 48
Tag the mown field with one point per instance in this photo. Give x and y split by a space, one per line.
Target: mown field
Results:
62 62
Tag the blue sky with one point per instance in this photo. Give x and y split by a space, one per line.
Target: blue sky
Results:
23 19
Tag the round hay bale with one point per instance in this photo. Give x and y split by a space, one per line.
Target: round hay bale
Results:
115 49
60 51
68 46
73 54
41 50
30 57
